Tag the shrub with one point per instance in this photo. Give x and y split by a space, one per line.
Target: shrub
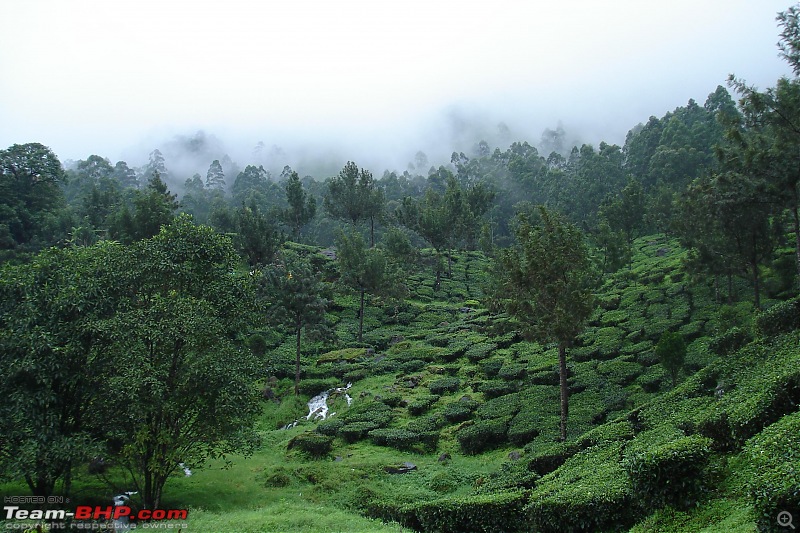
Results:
482 435
589 492
345 354
277 477
355 431
392 400
619 371
495 388
357 374
524 427
667 468
491 367
652 379
546 460
511 371
502 406
312 387
608 341
775 479
313 444
401 439
330 427
457 412
480 351
780 318
729 342
409 367
425 424
363 418
440 386
421 404
487 513
671 351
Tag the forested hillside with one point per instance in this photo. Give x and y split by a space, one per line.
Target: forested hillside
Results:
538 337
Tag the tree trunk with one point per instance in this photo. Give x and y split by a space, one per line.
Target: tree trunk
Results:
562 374
298 329
361 317
756 287
796 216
449 264
730 288
372 232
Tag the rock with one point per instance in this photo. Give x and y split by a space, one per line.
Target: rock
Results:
466 398
661 252
403 468
337 458
465 310
395 339
515 455
444 457
443 324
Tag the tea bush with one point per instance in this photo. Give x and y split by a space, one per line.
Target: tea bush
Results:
482 435
666 467
313 444
774 484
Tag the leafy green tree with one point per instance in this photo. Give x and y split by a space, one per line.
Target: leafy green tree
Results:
181 388
546 282
257 237
765 140
154 207
302 206
196 199
624 213
671 352
215 177
366 270
429 218
55 361
30 176
725 220
625 210
119 348
344 200
353 196
701 232
399 247
125 175
156 165
253 184
294 292
95 168
789 45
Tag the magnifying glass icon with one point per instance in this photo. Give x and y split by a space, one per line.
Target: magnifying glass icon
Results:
785 519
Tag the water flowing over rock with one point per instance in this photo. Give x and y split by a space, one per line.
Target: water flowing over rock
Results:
318 405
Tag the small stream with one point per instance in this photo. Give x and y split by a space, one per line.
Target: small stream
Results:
318 405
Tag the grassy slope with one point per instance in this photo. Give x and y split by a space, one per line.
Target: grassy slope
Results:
620 398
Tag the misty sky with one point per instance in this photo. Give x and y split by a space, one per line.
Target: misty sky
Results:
376 80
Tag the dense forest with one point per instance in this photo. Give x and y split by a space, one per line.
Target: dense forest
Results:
538 337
